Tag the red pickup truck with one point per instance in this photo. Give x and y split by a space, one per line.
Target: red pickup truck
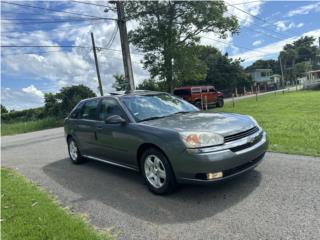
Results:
194 94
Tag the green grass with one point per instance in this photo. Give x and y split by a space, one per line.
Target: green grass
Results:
292 120
28 213
30 126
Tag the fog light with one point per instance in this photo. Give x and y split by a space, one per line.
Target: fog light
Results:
215 175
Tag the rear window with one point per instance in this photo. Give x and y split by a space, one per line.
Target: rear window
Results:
196 90
181 92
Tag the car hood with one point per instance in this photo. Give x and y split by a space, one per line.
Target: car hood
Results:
221 123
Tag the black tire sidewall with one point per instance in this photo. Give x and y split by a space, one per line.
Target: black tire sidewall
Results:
79 158
170 183
220 102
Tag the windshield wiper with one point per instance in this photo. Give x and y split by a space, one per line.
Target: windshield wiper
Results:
151 118
181 112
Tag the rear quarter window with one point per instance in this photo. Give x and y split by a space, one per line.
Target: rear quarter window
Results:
196 90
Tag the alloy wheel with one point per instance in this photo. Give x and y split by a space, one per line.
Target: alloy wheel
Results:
155 171
73 150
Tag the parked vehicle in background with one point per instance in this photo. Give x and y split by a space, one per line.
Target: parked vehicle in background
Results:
200 95
165 138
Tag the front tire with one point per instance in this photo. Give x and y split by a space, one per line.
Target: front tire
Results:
157 172
220 102
74 152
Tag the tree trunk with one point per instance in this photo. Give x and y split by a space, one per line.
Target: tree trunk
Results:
168 71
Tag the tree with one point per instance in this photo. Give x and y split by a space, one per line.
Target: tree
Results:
152 85
301 50
274 65
120 83
223 72
166 28
3 109
61 103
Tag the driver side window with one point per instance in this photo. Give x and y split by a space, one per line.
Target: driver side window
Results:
108 108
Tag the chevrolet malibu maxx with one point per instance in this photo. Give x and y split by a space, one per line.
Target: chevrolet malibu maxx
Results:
164 137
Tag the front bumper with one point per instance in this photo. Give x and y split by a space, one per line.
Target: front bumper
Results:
232 159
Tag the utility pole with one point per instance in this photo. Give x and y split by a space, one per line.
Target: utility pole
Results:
97 64
125 45
281 71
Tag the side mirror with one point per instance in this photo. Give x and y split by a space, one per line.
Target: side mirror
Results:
115 119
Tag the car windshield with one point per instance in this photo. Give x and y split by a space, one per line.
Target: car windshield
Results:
150 107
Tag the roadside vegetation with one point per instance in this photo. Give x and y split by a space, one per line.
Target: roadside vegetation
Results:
56 108
29 126
28 213
292 120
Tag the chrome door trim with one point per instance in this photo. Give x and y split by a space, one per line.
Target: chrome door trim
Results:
111 163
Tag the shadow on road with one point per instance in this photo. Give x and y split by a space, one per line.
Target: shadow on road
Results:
124 190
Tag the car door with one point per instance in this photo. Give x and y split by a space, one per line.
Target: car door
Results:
115 141
213 95
86 126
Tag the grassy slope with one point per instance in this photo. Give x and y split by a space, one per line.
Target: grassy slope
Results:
28 213
30 126
292 120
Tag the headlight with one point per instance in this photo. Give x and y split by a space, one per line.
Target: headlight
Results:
201 139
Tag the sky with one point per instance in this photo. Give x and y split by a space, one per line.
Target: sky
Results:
27 73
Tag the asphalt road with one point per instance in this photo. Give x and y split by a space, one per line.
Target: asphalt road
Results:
279 200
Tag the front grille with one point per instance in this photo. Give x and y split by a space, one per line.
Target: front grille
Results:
241 135
247 145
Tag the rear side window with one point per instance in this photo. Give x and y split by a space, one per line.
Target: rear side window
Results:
204 90
110 107
196 90
89 110
181 92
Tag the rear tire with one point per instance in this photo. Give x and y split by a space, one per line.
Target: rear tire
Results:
220 102
157 172
74 152
198 104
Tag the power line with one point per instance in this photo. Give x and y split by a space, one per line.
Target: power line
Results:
57 21
45 46
246 2
62 46
113 36
53 10
55 29
94 4
29 53
238 46
260 19
52 19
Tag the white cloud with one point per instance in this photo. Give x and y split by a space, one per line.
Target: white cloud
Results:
271 50
241 7
21 99
256 43
306 9
286 25
300 25
64 67
33 91
213 39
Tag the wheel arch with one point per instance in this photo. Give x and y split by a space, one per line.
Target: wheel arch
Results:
146 146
